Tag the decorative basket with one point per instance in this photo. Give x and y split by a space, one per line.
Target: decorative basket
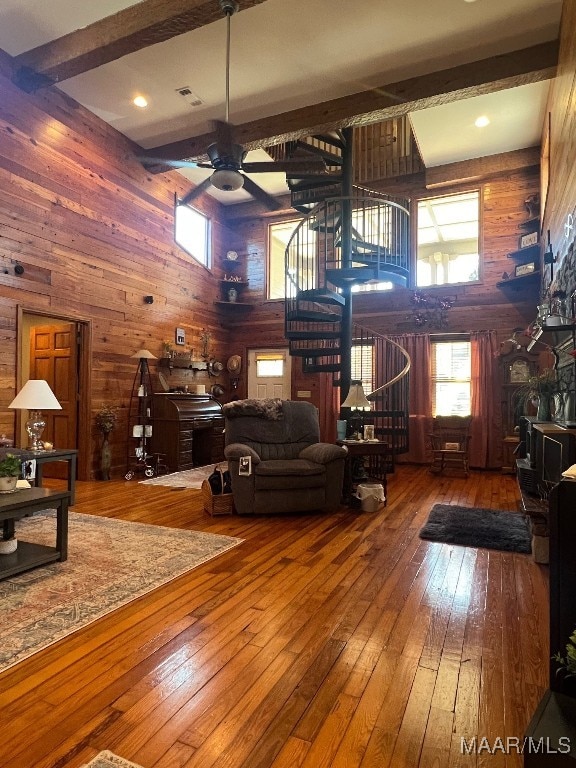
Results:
220 504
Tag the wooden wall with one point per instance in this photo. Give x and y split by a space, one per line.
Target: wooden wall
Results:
94 234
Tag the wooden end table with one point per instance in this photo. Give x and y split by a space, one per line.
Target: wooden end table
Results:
376 450
14 506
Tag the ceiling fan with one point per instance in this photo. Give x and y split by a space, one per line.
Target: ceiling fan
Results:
227 157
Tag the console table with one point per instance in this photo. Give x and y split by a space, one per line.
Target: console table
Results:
14 506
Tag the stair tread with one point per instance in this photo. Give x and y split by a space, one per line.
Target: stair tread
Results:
319 352
321 295
321 368
317 317
312 335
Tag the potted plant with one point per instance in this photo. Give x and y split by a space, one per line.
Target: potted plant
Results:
10 469
566 666
539 390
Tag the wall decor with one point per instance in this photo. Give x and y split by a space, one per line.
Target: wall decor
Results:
530 238
180 336
524 269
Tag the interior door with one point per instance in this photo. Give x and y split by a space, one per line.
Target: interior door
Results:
54 357
269 373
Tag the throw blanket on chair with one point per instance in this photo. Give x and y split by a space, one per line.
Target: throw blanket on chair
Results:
267 408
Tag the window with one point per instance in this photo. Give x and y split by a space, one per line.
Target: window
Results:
451 371
270 365
362 368
192 233
278 238
448 239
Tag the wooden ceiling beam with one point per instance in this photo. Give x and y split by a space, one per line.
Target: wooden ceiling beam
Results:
480 168
497 73
138 26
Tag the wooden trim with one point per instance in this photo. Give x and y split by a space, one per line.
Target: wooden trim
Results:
496 73
84 328
131 29
478 168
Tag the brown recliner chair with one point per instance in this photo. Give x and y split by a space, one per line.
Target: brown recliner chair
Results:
291 471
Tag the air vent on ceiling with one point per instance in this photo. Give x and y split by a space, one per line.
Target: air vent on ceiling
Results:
188 94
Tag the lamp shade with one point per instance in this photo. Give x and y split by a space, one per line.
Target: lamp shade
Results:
144 354
36 395
356 397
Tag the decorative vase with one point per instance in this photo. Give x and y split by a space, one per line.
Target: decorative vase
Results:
232 295
105 458
544 408
7 546
8 484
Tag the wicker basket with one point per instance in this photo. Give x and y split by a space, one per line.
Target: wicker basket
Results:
220 504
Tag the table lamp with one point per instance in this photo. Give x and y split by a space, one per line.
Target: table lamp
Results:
357 401
36 396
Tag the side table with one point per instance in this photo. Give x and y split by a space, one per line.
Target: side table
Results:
378 453
14 506
69 455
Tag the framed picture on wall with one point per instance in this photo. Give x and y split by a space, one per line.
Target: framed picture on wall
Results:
524 269
530 238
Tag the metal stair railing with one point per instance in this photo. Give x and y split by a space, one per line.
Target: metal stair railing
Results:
383 366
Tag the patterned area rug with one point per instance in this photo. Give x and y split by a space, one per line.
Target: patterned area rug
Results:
108 760
477 527
109 564
189 478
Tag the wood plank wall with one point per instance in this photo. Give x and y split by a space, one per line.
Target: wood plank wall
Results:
94 233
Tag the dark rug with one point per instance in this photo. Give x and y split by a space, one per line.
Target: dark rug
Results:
475 527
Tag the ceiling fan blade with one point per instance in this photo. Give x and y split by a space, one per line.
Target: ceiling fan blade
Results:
312 167
261 195
195 192
150 161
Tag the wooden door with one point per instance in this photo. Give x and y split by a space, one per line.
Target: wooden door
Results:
54 357
269 373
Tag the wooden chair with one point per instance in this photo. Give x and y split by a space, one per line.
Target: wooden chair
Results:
450 441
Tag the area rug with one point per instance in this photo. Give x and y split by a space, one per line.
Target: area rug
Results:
189 478
477 527
110 562
108 760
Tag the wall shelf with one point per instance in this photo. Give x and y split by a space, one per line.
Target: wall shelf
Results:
517 283
530 251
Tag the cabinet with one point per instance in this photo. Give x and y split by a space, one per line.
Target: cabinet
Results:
188 429
555 716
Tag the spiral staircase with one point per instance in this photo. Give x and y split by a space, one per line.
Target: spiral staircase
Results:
349 236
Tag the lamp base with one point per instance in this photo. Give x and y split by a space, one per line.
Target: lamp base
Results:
34 427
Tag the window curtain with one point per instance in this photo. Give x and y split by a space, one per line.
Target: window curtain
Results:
486 429
329 408
420 401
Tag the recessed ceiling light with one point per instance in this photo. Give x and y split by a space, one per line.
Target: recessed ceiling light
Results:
482 121
469 1
140 101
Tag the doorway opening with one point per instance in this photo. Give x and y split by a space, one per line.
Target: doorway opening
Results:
56 348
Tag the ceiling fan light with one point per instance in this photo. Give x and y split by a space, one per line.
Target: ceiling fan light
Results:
227 180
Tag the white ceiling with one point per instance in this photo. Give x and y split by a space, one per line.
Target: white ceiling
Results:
290 53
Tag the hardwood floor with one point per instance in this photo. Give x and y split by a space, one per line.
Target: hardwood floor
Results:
330 641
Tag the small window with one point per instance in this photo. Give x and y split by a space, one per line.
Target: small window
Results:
362 368
451 373
278 238
270 366
448 242
192 233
